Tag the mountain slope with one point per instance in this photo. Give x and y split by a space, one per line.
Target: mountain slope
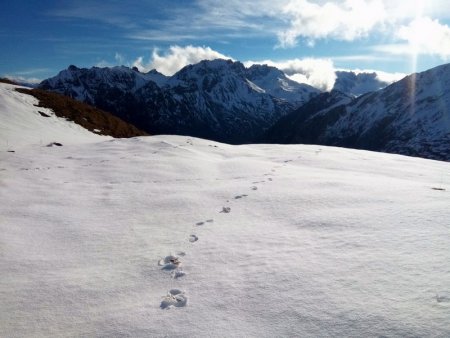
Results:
91 118
218 99
24 122
276 83
304 124
39 117
410 117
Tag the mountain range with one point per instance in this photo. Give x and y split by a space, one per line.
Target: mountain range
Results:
410 117
218 99
223 100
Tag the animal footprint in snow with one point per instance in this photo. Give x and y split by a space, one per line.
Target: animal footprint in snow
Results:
174 298
170 263
254 188
203 222
193 238
226 210
270 179
239 196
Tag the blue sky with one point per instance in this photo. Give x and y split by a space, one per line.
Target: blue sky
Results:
305 38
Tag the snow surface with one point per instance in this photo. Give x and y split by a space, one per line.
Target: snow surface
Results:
171 236
21 123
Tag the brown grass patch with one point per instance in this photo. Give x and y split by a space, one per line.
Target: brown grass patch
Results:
83 114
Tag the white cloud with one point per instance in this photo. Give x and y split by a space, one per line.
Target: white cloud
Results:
362 58
389 77
407 10
426 36
381 75
344 20
415 22
104 63
120 59
393 48
28 76
177 58
422 35
319 73
22 79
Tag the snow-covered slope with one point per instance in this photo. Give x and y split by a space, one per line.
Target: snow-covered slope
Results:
23 123
267 241
410 117
310 120
218 99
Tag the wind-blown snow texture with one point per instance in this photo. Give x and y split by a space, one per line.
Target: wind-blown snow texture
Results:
218 99
182 237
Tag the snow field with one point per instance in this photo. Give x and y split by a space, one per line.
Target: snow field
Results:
175 236
132 238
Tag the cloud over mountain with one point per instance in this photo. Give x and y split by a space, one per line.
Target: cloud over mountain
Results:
176 58
319 73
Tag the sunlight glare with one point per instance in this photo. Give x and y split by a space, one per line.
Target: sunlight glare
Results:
414 56
419 4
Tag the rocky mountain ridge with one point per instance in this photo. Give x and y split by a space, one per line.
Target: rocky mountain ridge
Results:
219 99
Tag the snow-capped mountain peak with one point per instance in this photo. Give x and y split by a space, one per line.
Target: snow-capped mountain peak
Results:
276 83
213 94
